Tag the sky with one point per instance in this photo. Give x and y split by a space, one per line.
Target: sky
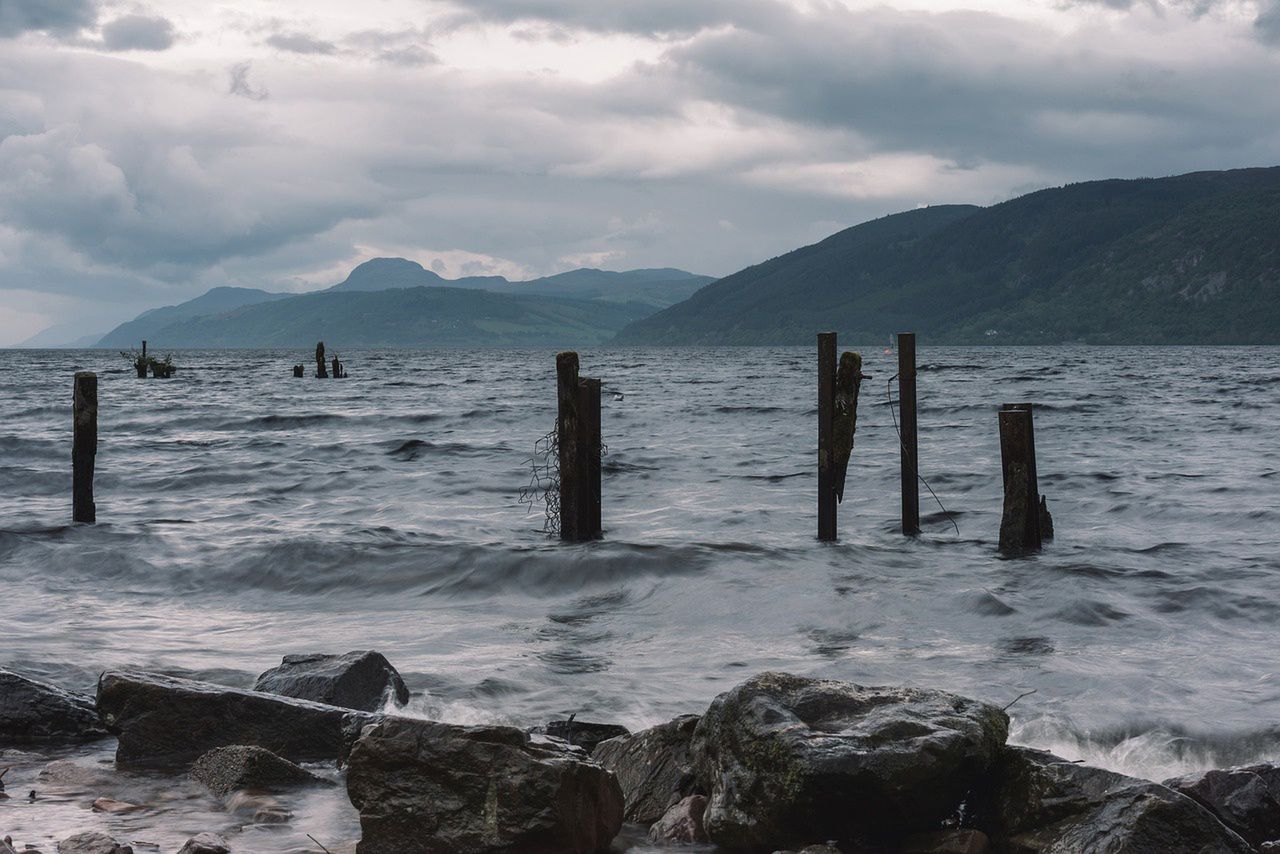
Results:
152 150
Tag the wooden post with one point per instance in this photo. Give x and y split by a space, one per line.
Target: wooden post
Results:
321 371
826 436
1020 522
141 364
567 440
907 427
589 500
84 446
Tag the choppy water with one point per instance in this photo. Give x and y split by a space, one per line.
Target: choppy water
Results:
244 514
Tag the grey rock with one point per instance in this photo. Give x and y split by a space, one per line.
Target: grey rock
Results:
959 841
69 774
361 680
92 843
1245 799
6 847
430 787
1044 803
786 758
224 770
682 824
585 734
35 711
164 720
205 843
654 767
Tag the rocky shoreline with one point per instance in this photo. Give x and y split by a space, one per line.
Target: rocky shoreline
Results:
778 763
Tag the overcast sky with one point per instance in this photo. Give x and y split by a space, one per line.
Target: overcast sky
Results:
152 150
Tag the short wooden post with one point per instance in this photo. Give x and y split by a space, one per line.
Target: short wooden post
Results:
84 446
591 526
907 427
826 436
298 370
567 441
1020 521
141 364
321 371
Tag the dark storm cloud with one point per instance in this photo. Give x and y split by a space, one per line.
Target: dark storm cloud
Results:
652 17
295 42
60 17
138 32
1268 23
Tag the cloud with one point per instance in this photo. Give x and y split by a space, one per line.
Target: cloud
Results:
651 17
1267 23
240 85
138 32
296 42
60 17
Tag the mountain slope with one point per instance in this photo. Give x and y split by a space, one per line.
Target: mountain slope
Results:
1189 258
149 324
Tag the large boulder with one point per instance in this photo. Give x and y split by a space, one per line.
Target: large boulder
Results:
653 766
786 758
31 710
362 680
92 842
430 787
224 770
682 824
1247 799
205 843
1044 803
164 720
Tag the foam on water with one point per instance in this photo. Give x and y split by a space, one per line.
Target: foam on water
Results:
245 514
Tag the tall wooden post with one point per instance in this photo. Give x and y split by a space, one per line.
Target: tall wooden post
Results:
589 501
321 371
1020 521
567 435
144 349
84 446
907 427
826 435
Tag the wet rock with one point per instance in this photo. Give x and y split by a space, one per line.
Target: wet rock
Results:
163 720
947 842
69 774
785 758
224 770
430 787
1044 803
205 843
92 843
653 766
31 710
1246 799
682 824
814 849
360 680
6 846
584 734
111 805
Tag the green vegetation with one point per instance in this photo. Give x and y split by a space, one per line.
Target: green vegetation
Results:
1190 259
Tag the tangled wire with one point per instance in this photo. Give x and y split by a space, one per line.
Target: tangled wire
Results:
544 481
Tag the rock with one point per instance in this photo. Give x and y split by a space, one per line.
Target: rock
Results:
785 758
947 842
68 774
224 770
814 849
682 824
583 734
360 680
31 710
1044 803
92 843
430 787
6 846
111 805
1247 799
653 766
205 843
163 720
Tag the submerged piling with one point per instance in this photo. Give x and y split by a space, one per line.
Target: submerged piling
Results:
321 371
826 436
578 446
910 456
1020 529
84 446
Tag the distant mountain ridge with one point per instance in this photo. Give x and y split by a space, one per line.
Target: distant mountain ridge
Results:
367 309
1188 259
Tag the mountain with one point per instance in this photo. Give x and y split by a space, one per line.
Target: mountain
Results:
396 302
149 325
1188 259
58 337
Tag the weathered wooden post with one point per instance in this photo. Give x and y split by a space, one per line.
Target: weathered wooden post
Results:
570 457
1020 522
907 427
140 365
321 371
589 446
826 436
84 446
298 370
